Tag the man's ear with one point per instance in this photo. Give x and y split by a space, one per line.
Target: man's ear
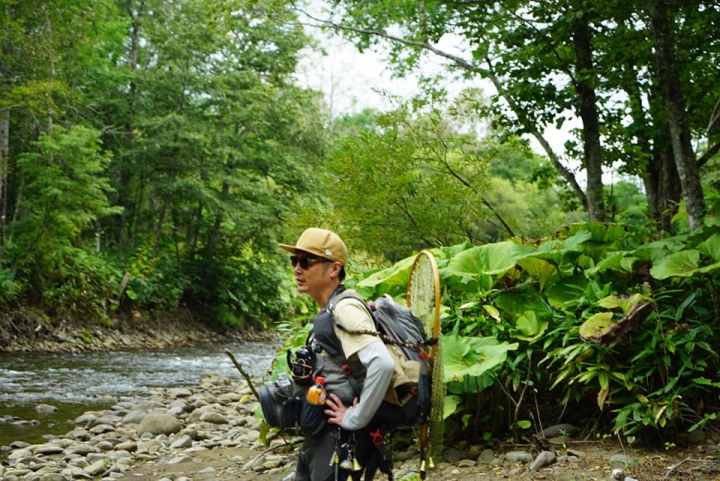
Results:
336 268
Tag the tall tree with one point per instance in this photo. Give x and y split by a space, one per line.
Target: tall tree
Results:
674 99
550 61
43 48
210 118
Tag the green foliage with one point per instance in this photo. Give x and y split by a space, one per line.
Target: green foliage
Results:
244 286
9 288
155 282
515 317
472 356
64 191
419 176
152 144
80 285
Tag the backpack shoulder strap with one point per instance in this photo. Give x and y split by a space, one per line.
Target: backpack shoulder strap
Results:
351 295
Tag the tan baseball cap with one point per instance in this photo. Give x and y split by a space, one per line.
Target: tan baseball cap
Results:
320 242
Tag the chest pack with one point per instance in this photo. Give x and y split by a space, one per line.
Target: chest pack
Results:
408 399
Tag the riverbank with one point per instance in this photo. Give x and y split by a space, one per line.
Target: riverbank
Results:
213 431
28 330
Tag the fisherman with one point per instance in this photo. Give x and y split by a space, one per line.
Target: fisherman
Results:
319 258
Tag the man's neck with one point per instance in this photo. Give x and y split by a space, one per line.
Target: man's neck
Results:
324 297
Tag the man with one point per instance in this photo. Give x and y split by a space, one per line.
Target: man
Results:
319 259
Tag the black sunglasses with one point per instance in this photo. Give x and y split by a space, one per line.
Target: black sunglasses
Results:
307 262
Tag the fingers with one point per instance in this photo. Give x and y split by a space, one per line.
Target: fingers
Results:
336 409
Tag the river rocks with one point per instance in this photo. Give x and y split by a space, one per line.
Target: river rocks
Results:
158 423
519 457
179 433
559 430
18 421
45 408
543 459
179 392
134 416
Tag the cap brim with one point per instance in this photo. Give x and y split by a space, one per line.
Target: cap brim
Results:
289 248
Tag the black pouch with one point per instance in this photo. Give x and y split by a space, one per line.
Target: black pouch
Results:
312 418
281 401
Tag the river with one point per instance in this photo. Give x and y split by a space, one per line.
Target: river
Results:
76 383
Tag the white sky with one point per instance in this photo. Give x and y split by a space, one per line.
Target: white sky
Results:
353 81
350 80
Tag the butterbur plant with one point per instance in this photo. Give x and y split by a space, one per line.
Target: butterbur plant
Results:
590 327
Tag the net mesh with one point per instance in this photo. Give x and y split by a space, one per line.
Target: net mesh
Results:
422 303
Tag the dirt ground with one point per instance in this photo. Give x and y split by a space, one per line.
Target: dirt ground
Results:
593 465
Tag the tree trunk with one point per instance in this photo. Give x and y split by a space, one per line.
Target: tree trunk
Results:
662 186
160 222
4 161
214 234
589 115
659 175
125 178
674 101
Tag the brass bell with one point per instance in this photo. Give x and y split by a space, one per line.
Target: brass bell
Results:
430 463
356 465
346 464
423 466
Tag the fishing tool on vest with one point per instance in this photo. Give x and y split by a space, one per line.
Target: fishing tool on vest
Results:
347 454
301 365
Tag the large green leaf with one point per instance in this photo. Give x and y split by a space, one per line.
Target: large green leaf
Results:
711 247
451 251
658 250
600 232
472 356
573 243
566 291
529 326
450 406
624 303
618 261
557 252
542 271
397 275
515 303
489 259
596 324
679 264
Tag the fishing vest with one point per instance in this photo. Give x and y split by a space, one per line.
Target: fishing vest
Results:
343 377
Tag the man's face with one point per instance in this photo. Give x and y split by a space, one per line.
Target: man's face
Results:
312 273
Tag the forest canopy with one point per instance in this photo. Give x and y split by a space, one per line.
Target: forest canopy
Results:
152 153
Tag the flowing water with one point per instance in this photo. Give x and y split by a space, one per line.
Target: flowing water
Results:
76 383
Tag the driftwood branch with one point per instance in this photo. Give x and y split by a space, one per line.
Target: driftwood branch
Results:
690 460
252 462
244 374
